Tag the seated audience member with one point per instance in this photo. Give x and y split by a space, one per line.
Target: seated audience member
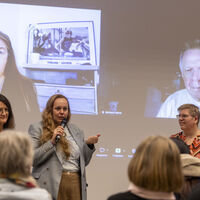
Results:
188 119
6 115
189 67
154 177
16 155
191 171
190 167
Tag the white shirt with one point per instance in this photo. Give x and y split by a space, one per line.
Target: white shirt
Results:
171 104
72 164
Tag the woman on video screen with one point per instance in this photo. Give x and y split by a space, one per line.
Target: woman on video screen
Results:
17 88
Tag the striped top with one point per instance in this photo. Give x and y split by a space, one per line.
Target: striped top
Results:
194 147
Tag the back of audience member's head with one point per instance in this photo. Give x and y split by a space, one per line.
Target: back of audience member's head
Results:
16 153
156 165
182 146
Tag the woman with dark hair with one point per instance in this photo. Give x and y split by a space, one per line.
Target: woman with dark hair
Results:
190 168
17 88
182 146
61 153
6 114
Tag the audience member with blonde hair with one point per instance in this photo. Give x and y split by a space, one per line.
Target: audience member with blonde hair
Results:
154 171
16 155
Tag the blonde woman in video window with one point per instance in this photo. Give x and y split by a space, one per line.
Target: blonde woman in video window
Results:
16 155
17 88
154 171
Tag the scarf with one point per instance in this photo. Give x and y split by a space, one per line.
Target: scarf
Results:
28 182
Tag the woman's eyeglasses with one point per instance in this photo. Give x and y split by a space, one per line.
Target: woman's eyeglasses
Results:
2 110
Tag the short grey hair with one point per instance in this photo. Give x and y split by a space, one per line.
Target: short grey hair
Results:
188 45
16 153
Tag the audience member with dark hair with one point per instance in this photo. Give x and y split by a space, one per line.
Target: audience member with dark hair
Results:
195 193
191 171
183 147
154 177
6 114
16 156
190 167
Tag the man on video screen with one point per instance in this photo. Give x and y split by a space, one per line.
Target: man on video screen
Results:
190 69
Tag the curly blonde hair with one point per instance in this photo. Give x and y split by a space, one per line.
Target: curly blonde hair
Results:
49 124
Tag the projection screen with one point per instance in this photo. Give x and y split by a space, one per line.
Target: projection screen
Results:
118 66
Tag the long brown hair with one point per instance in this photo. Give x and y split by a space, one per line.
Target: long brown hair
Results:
49 124
156 165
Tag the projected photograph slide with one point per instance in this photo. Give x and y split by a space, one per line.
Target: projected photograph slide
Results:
62 43
70 47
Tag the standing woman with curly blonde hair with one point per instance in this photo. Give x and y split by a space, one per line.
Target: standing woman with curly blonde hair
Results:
61 153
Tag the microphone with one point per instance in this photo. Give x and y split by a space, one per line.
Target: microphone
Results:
63 124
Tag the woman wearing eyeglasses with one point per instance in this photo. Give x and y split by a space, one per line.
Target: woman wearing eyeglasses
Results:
188 119
6 115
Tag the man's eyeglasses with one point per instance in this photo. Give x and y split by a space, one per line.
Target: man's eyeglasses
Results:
183 116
